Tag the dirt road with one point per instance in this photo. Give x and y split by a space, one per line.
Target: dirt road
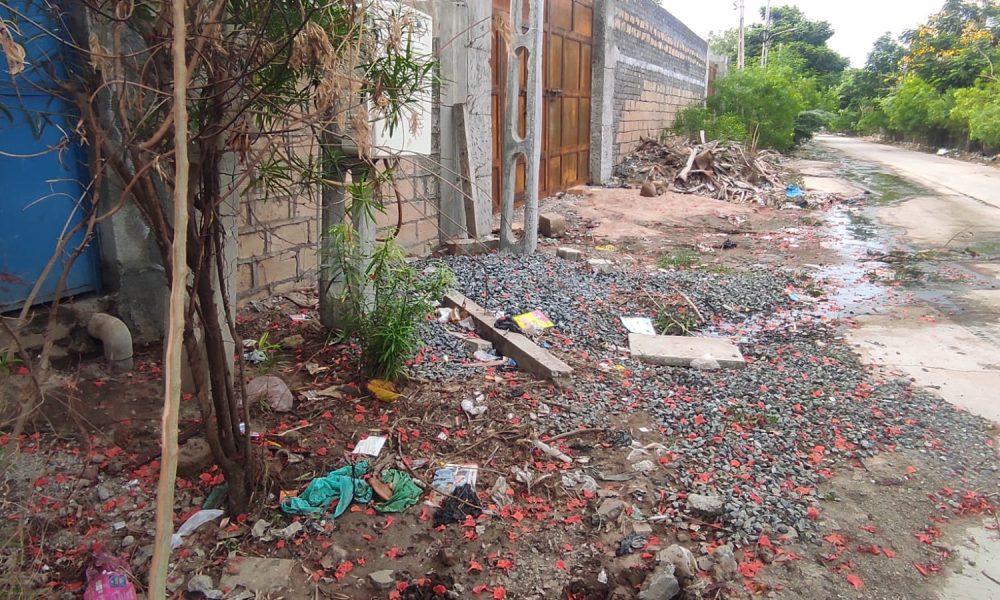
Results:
945 243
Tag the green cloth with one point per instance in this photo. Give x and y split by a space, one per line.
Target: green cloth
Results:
405 493
346 485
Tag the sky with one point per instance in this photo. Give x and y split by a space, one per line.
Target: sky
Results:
858 23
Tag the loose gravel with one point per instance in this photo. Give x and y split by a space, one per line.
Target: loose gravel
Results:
763 437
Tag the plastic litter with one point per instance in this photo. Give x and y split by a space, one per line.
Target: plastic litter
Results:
107 579
641 325
794 191
474 409
534 320
484 356
452 476
462 502
371 445
194 522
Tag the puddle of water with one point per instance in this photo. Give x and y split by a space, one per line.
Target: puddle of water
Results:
979 554
885 187
854 235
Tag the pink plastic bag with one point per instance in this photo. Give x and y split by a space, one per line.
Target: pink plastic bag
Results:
107 579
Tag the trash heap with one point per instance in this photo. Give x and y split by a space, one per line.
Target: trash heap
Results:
722 170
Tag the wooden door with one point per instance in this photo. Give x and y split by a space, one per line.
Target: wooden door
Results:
566 58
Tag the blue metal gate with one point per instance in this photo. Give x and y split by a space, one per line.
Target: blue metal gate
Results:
42 175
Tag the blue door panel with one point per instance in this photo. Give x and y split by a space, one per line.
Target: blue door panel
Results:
42 175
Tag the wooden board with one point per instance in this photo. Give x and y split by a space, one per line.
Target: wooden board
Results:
567 57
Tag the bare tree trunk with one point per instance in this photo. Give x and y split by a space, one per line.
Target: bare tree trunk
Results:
175 324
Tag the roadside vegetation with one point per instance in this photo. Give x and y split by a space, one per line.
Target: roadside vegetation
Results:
935 85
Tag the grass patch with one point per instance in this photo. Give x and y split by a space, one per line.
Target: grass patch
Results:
680 258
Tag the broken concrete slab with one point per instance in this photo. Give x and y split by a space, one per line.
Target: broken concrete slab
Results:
528 355
472 247
258 575
551 225
600 265
569 253
681 351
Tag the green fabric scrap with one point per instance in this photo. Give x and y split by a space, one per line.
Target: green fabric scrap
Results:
405 493
345 485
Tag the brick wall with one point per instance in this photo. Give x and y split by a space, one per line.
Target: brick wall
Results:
659 68
279 235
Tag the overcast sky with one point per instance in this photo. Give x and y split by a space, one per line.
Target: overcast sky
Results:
858 23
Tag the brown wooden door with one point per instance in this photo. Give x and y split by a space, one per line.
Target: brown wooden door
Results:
566 59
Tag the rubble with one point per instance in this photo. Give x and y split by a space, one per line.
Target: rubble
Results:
722 170
383 580
569 253
661 584
709 506
272 390
685 566
551 225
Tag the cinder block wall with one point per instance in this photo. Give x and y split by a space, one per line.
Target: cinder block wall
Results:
648 66
279 235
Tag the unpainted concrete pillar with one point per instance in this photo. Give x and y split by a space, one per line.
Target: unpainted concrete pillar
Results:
332 310
526 37
602 127
463 29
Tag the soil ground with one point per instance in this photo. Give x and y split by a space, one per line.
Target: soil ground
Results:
893 523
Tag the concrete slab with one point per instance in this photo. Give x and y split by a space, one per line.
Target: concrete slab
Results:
529 356
679 350
258 575
569 253
472 247
551 225
951 359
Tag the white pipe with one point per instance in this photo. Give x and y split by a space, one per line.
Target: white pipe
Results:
116 340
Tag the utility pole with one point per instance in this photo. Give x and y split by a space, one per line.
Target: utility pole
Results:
766 46
741 44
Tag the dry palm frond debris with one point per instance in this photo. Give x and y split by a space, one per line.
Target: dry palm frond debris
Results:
722 170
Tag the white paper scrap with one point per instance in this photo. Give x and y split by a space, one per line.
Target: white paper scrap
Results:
371 445
641 325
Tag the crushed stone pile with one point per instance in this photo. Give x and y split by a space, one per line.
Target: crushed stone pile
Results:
586 306
762 439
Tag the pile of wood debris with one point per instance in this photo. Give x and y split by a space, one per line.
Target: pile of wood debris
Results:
721 170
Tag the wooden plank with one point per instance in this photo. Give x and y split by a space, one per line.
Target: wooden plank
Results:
528 355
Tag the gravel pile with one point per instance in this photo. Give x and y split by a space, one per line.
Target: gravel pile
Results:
585 305
763 437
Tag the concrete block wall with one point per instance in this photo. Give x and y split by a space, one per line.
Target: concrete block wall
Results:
648 66
279 235
419 189
278 242
661 69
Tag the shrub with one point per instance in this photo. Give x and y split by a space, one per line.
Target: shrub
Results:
762 100
387 304
918 110
978 110
808 122
691 121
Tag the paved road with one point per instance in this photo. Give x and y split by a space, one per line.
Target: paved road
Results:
946 175
947 337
